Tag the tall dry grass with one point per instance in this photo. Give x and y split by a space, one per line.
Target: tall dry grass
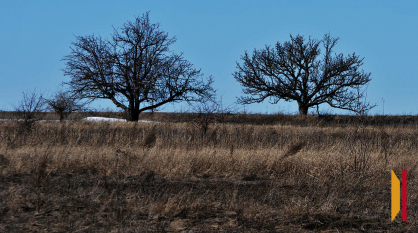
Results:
172 176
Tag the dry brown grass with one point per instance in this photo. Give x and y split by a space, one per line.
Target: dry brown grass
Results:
133 177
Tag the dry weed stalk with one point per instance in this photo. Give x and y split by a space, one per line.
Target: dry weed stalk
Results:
150 139
39 177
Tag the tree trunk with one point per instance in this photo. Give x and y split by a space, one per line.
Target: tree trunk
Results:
132 114
303 109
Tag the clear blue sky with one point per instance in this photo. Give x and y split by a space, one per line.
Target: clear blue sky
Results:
35 35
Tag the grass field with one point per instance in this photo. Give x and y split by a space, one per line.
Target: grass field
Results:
258 173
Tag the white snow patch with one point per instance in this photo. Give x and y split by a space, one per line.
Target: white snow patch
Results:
96 119
103 119
145 121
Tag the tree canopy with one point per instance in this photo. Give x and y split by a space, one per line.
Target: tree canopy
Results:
135 69
296 71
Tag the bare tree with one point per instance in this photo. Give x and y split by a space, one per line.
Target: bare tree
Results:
30 108
134 69
295 71
64 103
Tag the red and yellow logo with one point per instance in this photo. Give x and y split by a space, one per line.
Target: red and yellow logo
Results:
395 196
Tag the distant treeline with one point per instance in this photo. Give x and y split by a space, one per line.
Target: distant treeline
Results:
252 118
296 120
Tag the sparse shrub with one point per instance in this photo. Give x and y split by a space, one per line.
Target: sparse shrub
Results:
206 115
30 108
63 104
